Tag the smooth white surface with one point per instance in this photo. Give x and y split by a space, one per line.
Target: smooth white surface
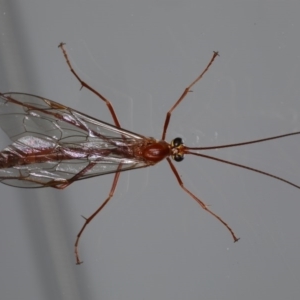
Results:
153 241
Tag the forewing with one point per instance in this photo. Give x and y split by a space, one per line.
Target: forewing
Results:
41 127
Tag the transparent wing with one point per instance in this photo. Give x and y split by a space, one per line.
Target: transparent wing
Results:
53 144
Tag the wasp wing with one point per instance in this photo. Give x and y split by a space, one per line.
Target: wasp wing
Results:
53 143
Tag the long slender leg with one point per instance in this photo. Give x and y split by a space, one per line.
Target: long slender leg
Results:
203 205
91 217
188 89
60 186
84 84
54 184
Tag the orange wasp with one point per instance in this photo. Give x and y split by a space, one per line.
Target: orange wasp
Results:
54 145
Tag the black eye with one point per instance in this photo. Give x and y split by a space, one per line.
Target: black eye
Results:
177 142
178 157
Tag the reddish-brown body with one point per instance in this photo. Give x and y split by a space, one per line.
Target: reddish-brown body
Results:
156 151
149 150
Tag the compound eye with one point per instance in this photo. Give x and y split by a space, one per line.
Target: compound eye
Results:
177 142
178 157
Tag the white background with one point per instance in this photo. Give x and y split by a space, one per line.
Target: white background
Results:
153 241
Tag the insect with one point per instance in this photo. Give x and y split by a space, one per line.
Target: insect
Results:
54 145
